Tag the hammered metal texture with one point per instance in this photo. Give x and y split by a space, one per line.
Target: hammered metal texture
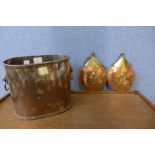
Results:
121 75
40 89
93 74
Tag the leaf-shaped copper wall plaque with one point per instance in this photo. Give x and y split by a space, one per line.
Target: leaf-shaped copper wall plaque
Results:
121 75
93 74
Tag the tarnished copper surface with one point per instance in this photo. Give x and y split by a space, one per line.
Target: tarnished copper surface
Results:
93 74
121 75
39 87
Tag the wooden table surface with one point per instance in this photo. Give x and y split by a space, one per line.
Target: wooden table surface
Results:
90 110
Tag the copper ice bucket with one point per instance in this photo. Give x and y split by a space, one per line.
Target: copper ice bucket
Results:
39 85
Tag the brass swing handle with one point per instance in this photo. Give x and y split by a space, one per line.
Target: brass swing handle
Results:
71 71
6 85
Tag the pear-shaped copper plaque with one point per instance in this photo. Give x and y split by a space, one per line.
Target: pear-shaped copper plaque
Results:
93 74
121 75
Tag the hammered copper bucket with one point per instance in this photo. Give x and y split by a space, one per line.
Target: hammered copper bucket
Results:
39 85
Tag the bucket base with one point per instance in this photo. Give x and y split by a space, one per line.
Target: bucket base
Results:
42 116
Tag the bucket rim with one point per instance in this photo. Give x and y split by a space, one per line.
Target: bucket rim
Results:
64 58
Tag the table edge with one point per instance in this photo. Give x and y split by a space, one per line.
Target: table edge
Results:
136 92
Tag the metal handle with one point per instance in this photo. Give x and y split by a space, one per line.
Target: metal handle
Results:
6 85
71 72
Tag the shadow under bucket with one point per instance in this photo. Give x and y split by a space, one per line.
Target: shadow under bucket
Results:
39 85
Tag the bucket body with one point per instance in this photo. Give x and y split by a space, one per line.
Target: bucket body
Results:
39 85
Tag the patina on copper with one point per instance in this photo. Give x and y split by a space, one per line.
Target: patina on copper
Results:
93 74
121 75
39 85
